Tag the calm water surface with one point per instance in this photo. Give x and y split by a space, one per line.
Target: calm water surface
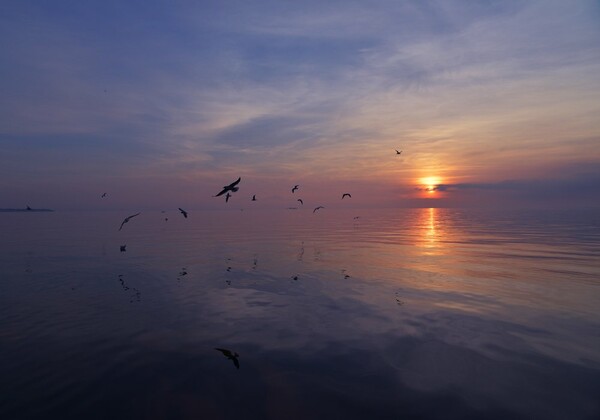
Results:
420 313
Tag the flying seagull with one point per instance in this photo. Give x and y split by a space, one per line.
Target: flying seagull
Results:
300 200
227 196
295 188
123 248
346 194
127 220
103 195
398 152
183 212
317 208
231 356
254 197
231 187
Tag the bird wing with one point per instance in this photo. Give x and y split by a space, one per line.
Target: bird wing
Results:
236 362
234 183
133 215
127 219
224 351
222 192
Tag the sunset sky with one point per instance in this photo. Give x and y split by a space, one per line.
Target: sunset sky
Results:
160 104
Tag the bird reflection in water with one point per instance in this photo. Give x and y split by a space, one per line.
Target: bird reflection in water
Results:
231 356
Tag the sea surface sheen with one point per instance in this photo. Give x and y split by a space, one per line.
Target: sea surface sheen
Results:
404 313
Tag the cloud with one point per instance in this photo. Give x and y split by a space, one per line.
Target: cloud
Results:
584 185
485 90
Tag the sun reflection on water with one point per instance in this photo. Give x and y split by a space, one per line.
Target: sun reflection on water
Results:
430 228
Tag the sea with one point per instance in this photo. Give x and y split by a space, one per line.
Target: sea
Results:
424 313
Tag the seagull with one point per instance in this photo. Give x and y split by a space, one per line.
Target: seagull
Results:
300 200
231 356
183 212
227 196
123 248
398 152
254 197
317 208
231 187
295 188
127 220
346 194
103 195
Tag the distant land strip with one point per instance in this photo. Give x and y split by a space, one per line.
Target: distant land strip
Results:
24 210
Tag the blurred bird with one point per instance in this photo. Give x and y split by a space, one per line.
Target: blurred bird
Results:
295 188
254 197
231 187
103 195
127 220
183 212
123 248
346 194
300 200
317 208
227 197
231 356
398 152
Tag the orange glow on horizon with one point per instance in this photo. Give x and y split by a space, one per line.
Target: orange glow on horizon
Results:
429 183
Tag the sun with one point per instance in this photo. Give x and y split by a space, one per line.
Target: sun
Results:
430 182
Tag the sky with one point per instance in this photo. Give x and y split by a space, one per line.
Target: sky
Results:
162 103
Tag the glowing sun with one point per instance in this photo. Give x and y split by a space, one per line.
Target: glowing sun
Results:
430 183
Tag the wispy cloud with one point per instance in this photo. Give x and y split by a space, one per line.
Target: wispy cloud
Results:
474 92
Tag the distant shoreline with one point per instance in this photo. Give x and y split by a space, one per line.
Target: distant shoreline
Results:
23 210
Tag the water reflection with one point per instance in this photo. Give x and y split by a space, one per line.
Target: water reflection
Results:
430 233
424 313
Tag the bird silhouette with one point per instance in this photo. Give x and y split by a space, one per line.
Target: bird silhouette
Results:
398 152
183 212
227 197
346 194
317 208
103 195
231 356
295 188
29 208
127 220
300 200
123 248
254 197
231 187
